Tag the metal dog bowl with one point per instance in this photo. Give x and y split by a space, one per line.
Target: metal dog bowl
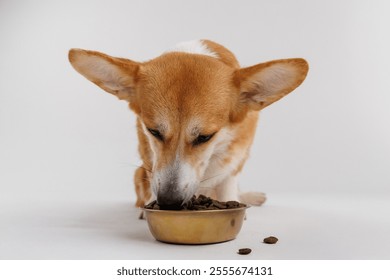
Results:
195 227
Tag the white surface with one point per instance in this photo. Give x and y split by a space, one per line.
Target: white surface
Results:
308 227
68 150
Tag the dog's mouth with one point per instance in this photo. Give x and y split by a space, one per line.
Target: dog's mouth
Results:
170 204
170 198
171 207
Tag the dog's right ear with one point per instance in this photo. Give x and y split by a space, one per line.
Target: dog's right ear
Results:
114 75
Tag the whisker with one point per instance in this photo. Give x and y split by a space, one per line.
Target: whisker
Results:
212 187
146 169
218 156
224 173
143 167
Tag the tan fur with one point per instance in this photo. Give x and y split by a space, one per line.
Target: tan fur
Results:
178 90
224 54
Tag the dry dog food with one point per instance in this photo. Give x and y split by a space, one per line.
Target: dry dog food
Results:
201 202
244 251
270 240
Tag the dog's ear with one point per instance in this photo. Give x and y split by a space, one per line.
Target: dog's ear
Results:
263 84
114 75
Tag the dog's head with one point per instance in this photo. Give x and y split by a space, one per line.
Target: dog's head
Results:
186 104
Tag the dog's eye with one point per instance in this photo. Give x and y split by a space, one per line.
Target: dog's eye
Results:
156 134
202 139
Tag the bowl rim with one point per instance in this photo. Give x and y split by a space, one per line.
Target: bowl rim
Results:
181 212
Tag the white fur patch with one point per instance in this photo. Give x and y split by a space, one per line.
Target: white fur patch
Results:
187 180
152 146
195 47
217 171
178 173
217 180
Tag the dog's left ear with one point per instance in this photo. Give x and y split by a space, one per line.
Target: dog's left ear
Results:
263 84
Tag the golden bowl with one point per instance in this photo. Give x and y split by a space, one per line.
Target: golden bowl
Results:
195 227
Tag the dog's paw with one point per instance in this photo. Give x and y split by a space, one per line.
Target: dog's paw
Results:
253 198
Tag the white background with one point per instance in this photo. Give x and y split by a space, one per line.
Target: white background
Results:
68 150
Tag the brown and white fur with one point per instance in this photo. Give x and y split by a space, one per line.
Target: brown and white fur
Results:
197 112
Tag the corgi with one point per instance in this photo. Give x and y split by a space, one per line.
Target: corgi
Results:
197 112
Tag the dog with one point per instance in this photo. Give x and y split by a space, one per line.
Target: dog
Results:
197 112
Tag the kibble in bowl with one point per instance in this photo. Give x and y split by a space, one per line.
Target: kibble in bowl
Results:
201 221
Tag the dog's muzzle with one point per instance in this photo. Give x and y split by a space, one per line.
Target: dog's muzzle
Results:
169 199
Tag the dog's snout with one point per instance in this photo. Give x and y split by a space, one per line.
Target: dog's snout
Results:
174 184
169 200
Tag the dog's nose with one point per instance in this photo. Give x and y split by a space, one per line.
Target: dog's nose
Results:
169 200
